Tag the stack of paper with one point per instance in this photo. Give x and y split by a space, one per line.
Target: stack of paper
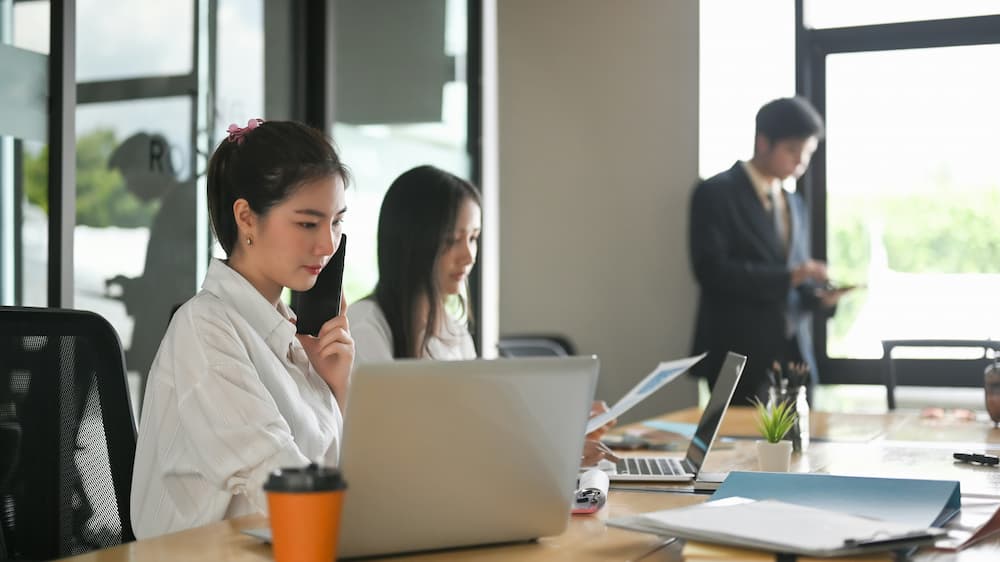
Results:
979 518
779 527
694 551
919 503
928 503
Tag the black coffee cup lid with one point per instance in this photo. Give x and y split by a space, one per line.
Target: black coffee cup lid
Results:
312 478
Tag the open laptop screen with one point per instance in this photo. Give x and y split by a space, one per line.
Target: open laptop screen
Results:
442 454
711 419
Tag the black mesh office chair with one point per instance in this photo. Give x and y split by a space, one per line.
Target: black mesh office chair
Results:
970 370
538 345
67 434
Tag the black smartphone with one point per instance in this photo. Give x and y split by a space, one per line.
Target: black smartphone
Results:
831 286
321 303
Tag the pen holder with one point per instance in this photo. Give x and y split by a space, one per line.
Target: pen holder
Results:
797 397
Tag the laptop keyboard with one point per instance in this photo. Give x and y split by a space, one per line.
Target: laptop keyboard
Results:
650 466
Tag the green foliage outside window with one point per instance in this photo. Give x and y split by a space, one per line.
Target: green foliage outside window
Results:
101 197
945 231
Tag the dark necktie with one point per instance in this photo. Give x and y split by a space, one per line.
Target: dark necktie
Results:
781 229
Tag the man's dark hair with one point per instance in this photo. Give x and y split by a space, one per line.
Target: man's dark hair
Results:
789 118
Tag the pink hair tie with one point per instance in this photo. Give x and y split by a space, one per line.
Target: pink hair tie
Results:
238 134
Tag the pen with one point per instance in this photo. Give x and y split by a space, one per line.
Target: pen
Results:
990 460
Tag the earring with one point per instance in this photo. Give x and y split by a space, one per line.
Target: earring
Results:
249 241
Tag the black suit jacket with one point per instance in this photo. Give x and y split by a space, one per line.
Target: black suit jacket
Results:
744 276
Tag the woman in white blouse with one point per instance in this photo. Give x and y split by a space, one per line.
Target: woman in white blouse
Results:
428 239
233 392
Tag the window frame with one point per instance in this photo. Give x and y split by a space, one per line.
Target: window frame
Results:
811 49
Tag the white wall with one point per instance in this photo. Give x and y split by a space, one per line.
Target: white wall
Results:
598 128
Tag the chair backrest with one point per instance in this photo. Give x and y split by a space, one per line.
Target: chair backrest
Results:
68 433
540 345
891 365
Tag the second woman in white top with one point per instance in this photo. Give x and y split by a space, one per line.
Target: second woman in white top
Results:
428 239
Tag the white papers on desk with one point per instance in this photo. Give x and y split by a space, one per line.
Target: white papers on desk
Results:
778 527
661 375
978 519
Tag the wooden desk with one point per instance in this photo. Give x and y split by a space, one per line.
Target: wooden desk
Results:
868 448
900 425
586 539
738 422
867 445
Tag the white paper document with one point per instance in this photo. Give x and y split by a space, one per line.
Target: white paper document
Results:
978 519
778 527
661 375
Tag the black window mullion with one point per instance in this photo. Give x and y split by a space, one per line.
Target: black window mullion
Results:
473 140
62 151
980 30
100 91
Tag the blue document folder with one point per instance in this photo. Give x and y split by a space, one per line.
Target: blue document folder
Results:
921 503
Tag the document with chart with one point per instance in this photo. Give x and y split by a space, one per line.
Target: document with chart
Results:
661 375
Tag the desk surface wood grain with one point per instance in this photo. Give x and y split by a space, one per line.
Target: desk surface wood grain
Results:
855 444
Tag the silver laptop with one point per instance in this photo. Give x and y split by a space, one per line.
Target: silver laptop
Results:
456 453
664 469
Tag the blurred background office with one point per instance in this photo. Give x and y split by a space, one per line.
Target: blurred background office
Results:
585 122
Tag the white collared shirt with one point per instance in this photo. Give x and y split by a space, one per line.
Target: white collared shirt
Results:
373 337
230 397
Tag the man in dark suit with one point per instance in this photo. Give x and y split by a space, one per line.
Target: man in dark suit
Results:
749 244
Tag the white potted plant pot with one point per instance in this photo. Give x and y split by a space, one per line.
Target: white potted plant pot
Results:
774 457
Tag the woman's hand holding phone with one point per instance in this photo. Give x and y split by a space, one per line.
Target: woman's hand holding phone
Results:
331 353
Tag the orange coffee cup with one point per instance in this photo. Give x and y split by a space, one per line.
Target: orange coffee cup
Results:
305 505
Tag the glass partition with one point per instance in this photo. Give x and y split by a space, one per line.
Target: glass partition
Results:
137 232
135 194
24 219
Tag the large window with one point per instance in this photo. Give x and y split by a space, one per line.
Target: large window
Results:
904 191
912 195
400 96
384 130
158 82
136 168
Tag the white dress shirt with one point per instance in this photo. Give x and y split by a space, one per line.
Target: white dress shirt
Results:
230 397
373 337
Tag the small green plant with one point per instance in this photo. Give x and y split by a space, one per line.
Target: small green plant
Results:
774 422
